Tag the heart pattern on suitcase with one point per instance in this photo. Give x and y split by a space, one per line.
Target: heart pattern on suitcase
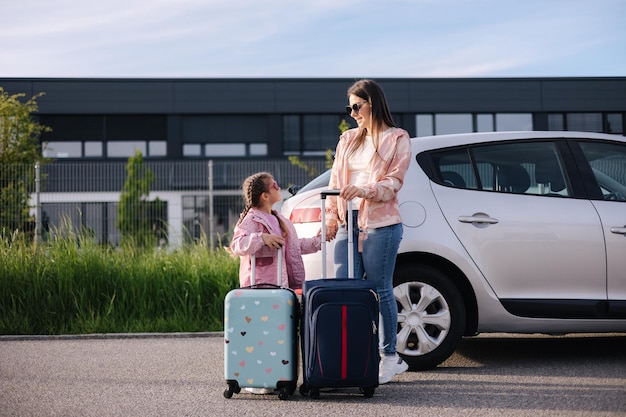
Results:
258 324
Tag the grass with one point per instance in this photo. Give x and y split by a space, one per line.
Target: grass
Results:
72 285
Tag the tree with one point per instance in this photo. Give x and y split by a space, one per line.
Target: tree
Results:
133 217
19 151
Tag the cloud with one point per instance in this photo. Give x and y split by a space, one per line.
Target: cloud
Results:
317 38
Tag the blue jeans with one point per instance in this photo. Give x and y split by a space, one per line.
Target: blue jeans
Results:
377 262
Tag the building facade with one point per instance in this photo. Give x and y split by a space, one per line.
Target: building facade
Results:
246 125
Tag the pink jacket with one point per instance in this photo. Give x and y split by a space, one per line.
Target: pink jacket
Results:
247 241
386 178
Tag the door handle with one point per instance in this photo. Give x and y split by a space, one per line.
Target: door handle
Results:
618 230
480 218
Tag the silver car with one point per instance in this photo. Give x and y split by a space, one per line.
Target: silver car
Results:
517 232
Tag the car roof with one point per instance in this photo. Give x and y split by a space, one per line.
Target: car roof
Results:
443 141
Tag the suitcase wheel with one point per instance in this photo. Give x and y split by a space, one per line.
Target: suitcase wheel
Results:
315 393
283 394
233 387
368 392
285 389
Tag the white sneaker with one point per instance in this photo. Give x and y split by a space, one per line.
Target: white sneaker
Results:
390 366
260 391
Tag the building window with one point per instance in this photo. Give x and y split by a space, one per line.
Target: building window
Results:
587 122
514 121
584 122
157 148
93 149
443 124
291 134
556 121
424 125
72 127
310 134
138 127
63 150
224 149
614 123
258 149
192 149
320 133
484 123
125 149
453 123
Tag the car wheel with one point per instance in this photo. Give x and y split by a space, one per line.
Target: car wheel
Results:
431 316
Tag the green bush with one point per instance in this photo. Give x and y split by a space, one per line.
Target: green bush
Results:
73 285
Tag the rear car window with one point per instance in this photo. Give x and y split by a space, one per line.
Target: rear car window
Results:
608 163
512 167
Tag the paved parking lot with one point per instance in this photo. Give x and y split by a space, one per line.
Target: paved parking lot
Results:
182 375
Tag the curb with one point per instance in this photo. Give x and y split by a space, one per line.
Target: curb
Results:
103 336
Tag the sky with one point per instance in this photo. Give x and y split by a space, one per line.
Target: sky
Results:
312 38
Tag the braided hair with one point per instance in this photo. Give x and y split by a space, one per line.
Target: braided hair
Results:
252 188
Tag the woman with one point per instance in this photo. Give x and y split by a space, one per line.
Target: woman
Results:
369 168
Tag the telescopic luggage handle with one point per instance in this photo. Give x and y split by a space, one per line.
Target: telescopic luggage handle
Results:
324 194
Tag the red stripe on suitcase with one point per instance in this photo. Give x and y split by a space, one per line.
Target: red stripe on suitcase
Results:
344 342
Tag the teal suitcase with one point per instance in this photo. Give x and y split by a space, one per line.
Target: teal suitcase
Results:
261 339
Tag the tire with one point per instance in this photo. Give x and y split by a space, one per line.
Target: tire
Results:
431 316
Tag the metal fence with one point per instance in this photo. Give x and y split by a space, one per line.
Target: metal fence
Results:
200 197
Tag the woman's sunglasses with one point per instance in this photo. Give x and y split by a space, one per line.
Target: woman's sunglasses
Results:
356 107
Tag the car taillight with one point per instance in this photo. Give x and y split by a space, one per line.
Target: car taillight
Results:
306 215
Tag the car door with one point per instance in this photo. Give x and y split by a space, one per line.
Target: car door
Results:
608 167
530 238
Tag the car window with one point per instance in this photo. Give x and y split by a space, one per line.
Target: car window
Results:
608 163
521 168
455 169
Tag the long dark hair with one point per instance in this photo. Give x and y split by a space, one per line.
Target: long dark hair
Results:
372 92
252 188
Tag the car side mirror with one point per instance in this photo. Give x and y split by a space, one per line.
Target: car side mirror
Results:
293 189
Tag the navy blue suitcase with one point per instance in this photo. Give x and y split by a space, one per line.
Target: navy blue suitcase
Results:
339 333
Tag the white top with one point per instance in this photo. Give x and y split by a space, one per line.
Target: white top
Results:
359 166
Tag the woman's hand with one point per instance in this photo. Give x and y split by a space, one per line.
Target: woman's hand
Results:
350 192
273 241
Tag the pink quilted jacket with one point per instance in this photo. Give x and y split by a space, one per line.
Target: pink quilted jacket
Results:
247 241
386 178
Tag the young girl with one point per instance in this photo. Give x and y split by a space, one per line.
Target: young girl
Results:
262 231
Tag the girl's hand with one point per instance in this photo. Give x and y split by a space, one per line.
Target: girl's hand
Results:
328 238
273 241
331 230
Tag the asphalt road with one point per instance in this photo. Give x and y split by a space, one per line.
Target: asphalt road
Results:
182 375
